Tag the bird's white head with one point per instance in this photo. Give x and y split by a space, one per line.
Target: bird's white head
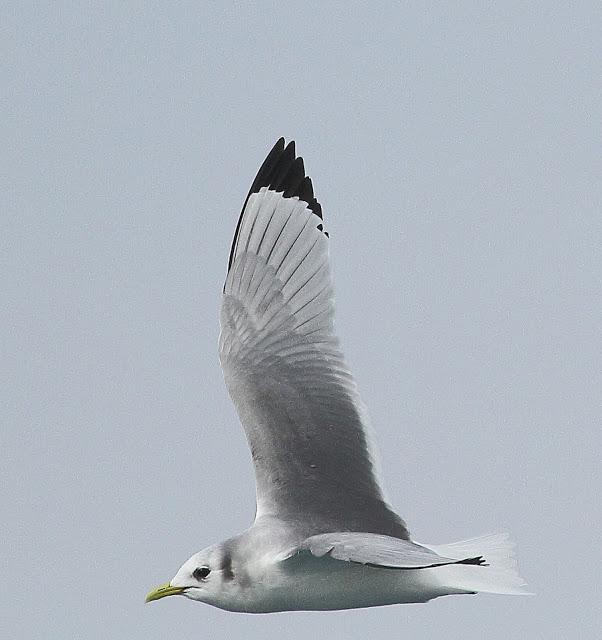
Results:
207 577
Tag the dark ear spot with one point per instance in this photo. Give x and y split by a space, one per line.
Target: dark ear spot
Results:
227 567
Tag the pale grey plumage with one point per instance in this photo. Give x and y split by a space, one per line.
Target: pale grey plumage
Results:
375 550
285 372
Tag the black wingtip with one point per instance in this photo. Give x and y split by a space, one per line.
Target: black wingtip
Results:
478 560
284 172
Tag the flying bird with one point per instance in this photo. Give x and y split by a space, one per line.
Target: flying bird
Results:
324 535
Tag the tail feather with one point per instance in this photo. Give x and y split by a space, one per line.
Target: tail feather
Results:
496 573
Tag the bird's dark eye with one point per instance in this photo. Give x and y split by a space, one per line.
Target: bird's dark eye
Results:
200 573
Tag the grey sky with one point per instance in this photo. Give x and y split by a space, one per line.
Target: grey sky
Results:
456 152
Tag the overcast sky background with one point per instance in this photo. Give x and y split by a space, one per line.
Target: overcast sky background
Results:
456 151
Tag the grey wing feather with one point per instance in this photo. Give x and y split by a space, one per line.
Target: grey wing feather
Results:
375 550
298 403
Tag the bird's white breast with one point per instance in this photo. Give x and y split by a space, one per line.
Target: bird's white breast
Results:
318 584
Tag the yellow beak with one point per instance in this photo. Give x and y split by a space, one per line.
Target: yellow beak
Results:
163 591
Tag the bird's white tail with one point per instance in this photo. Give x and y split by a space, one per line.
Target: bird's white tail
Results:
499 574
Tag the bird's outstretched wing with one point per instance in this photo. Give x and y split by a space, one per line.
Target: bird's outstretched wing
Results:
374 550
297 401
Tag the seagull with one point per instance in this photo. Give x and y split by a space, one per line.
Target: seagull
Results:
324 535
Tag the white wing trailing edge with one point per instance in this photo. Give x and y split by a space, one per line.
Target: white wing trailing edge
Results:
297 400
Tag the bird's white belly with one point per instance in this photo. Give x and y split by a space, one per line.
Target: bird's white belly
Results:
319 584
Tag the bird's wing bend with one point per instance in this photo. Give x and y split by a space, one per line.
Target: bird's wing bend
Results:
297 401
